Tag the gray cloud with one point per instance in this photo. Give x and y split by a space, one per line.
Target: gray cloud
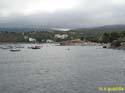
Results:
87 13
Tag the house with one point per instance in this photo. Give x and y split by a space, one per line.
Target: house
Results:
25 37
49 41
76 41
72 42
32 39
63 36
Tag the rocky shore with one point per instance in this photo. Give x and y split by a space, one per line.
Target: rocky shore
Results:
116 44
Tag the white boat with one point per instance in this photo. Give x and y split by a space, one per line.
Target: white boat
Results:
5 47
14 50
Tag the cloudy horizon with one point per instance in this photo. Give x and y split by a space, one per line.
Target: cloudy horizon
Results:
61 13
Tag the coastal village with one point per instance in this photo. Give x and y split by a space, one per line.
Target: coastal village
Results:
66 38
62 39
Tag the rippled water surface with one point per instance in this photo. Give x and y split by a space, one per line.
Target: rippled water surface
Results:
55 69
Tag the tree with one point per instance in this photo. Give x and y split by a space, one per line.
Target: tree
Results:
105 38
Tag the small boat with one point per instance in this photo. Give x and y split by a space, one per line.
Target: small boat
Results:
104 46
5 47
36 47
14 50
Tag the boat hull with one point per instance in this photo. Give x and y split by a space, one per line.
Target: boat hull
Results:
15 50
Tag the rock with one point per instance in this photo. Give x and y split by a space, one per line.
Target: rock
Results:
104 46
115 44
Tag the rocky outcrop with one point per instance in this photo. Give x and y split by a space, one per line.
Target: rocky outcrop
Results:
115 44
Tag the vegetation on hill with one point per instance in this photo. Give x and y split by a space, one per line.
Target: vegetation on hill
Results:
101 35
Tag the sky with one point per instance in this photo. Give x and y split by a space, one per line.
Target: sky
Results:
61 13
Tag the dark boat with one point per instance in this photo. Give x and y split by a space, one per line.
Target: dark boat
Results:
104 46
15 50
36 47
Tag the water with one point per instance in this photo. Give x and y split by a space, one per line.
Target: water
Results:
61 69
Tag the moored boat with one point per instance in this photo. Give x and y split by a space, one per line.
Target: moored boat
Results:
36 47
5 47
14 50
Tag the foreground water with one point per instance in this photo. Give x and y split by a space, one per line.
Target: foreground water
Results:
54 69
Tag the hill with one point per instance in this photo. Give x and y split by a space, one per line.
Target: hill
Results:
7 29
106 28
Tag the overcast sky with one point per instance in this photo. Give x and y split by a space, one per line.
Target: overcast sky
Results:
61 13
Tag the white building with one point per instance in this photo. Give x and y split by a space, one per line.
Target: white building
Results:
32 39
25 37
63 36
49 41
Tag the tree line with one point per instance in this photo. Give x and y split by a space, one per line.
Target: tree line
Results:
96 36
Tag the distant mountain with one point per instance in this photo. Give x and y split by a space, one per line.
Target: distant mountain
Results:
5 29
106 28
